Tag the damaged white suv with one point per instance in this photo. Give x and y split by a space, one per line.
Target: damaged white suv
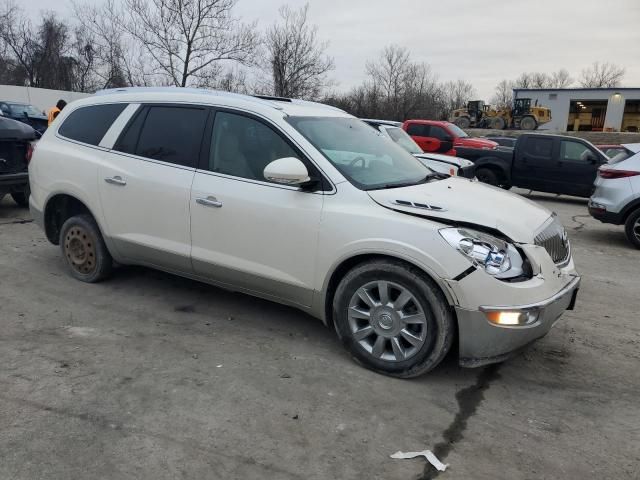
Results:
305 205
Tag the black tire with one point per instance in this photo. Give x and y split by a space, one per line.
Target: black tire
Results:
22 198
528 123
463 122
439 325
632 228
486 175
498 123
84 250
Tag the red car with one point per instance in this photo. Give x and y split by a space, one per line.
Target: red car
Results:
443 137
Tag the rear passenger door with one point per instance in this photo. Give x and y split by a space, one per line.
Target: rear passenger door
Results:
534 166
145 183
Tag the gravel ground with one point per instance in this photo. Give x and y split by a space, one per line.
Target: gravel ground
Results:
150 376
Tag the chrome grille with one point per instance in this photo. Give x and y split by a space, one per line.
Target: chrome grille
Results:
555 241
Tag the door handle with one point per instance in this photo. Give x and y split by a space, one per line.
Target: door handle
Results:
117 180
209 202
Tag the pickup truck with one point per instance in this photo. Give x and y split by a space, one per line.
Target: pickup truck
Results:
15 148
545 163
435 136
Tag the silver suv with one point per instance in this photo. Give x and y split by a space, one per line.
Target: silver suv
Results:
616 198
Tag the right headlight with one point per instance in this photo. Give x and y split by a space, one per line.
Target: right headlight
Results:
495 256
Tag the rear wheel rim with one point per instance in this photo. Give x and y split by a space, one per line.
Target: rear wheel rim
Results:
80 250
387 321
636 229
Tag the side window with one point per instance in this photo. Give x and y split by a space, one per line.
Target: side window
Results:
128 140
574 151
540 147
172 134
418 130
438 132
242 146
89 124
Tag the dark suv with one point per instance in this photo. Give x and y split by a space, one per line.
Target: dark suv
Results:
15 146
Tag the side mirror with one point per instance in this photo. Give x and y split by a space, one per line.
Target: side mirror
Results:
287 171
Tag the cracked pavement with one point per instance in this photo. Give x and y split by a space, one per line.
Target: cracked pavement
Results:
150 376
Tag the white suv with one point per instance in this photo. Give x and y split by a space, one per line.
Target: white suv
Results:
305 205
616 198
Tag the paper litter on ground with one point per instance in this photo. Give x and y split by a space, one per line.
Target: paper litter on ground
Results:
428 454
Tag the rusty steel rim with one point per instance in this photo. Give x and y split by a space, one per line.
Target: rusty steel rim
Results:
80 250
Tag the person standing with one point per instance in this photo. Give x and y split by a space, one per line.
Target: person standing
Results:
55 111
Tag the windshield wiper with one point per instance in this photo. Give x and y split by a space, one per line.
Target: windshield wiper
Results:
427 178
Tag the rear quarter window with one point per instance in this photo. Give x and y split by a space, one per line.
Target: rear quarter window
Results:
89 124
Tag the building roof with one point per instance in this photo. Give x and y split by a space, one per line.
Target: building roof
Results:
613 89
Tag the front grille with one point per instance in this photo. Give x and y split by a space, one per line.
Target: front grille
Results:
555 241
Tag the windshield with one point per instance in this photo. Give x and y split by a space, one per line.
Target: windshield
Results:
403 139
366 157
456 130
21 109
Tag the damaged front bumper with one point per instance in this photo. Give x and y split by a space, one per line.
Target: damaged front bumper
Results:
483 342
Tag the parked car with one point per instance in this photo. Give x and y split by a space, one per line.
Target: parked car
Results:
25 113
15 147
443 137
545 163
503 141
611 150
303 204
439 163
616 198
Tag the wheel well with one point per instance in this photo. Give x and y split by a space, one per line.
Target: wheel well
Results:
630 209
342 269
58 210
497 170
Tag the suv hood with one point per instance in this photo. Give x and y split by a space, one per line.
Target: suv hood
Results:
466 201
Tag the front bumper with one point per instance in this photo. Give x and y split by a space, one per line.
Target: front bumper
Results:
13 182
482 342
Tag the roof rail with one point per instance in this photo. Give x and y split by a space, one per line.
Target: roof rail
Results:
273 98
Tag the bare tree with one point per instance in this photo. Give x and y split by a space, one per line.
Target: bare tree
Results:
296 59
396 89
602 75
560 79
186 39
503 96
117 59
456 95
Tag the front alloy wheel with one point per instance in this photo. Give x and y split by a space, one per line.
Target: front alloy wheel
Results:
393 318
387 321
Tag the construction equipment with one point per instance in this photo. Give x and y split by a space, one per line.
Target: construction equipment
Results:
520 116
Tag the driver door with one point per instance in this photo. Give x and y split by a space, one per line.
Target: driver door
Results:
249 234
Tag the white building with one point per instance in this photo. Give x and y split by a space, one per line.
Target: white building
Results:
42 98
587 109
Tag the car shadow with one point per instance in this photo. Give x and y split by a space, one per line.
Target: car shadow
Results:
263 317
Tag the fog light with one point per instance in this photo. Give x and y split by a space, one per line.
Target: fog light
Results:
512 318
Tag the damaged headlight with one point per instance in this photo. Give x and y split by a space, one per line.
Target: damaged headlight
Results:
495 256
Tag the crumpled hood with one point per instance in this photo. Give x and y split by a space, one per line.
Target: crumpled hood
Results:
461 200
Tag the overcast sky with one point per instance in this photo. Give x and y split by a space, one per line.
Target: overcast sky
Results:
479 41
